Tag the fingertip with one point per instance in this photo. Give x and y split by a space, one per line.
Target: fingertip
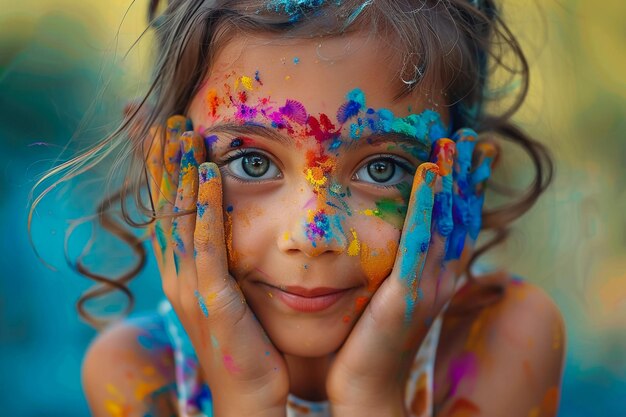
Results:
427 173
208 171
443 155
465 135
176 124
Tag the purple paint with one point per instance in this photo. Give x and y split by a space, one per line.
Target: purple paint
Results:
464 367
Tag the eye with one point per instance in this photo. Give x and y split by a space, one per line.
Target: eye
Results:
252 166
386 170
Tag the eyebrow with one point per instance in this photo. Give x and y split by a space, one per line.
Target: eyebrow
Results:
253 129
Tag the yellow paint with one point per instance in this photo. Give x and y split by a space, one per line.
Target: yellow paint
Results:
370 212
144 389
286 235
316 177
245 81
355 247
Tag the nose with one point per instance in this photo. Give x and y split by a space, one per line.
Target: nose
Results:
313 231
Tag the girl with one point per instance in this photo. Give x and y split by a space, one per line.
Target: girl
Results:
314 215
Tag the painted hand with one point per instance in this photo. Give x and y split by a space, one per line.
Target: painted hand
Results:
370 372
247 375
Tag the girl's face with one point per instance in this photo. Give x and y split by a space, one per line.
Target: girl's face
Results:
317 161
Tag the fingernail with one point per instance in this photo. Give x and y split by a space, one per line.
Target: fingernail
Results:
428 172
176 124
487 150
445 149
465 134
207 172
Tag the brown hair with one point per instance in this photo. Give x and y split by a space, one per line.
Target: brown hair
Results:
458 43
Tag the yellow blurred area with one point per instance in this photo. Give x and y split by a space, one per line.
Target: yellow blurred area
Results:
572 243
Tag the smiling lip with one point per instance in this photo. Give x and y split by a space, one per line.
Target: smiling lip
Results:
310 300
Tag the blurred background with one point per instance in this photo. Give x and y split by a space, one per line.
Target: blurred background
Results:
63 70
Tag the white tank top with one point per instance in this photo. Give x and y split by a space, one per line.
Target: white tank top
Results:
194 398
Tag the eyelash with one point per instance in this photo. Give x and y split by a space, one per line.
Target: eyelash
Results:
240 153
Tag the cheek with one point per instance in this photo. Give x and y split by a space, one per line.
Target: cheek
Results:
375 242
245 231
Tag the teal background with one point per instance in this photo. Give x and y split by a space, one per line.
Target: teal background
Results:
63 80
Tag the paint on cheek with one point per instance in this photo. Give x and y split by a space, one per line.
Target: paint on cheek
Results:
355 247
377 263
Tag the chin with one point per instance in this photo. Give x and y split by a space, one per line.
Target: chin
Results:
308 337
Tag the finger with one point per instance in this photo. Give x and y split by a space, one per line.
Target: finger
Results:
465 140
192 154
169 180
383 327
438 280
416 234
485 155
443 155
217 290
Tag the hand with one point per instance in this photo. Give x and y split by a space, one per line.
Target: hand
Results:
246 374
369 374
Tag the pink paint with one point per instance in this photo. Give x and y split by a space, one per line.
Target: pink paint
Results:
310 203
464 367
229 363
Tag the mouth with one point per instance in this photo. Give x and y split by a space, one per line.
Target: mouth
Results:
309 300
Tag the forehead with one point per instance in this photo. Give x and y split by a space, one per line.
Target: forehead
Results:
317 72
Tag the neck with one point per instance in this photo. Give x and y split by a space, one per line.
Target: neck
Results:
307 376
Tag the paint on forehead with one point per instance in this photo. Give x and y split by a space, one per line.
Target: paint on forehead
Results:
425 127
293 117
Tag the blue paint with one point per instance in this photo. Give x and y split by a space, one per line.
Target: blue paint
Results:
201 303
207 172
209 141
442 209
426 127
176 265
201 208
296 9
415 240
296 60
467 201
229 209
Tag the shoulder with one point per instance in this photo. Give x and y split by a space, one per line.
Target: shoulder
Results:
128 369
520 338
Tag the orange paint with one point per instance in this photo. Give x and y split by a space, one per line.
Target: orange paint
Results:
420 400
463 407
377 264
